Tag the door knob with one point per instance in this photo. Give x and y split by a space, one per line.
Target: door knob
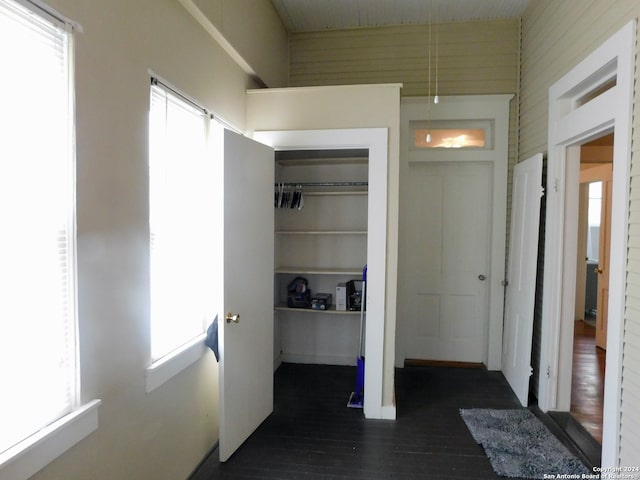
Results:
232 317
597 270
482 277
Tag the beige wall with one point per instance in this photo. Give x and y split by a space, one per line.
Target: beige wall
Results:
346 107
255 31
556 35
165 433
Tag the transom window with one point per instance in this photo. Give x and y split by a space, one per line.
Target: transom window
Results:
467 134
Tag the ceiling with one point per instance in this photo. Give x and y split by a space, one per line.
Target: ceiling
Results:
314 15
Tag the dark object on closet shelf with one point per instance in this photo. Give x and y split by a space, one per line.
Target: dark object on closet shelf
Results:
354 295
298 293
321 301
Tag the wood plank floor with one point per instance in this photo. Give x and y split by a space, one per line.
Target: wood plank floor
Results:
312 435
587 383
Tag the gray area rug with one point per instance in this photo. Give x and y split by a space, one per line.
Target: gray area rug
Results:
519 445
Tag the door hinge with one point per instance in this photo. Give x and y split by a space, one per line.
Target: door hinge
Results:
505 282
548 371
555 185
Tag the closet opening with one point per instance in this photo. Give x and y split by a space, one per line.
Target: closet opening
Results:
340 229
321 232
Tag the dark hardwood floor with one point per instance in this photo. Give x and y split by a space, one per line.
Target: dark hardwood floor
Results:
587 384
313 435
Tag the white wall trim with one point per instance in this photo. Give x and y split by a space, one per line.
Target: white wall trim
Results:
323 88
34 453
466 107
212 30
321 359
376 140
388 412
569 125
170 365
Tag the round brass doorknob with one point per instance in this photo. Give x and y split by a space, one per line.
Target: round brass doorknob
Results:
597 270
232 317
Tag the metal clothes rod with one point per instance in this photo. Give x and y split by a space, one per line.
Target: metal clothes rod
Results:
324 184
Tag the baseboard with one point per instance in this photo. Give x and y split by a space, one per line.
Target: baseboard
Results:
277 361
319 359
203 469
414 362
581 439
388 412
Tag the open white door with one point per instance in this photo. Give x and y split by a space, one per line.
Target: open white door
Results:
246 341
521 275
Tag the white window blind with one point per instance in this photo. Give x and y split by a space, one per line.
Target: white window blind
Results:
37 247
181 201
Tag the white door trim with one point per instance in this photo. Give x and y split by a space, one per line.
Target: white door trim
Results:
468 107
570 124
376 140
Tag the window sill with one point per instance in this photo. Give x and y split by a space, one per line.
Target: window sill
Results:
173 363
34 453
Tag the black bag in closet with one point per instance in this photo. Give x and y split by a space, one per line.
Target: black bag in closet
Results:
298 293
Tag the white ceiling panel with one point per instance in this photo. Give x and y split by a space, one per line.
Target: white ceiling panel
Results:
313 15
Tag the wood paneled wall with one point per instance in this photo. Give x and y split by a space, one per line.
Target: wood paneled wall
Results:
556 35
473 57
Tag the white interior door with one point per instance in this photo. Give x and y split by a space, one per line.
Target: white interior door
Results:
600 173
246 347
602 307
445 300
521 275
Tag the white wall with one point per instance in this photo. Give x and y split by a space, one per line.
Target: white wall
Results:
165 433
360 106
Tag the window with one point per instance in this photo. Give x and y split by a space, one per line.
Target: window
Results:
465 134
38 344
182 238
594 215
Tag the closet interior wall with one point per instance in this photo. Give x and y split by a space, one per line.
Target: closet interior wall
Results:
324 242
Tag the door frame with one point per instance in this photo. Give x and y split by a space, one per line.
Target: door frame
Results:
376 140
495 109
572 123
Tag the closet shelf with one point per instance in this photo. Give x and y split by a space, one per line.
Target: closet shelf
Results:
322 161
331 311
321 232
320 271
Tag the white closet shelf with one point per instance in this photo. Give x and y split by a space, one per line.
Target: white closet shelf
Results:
321 232
332 310
319 270
306 162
